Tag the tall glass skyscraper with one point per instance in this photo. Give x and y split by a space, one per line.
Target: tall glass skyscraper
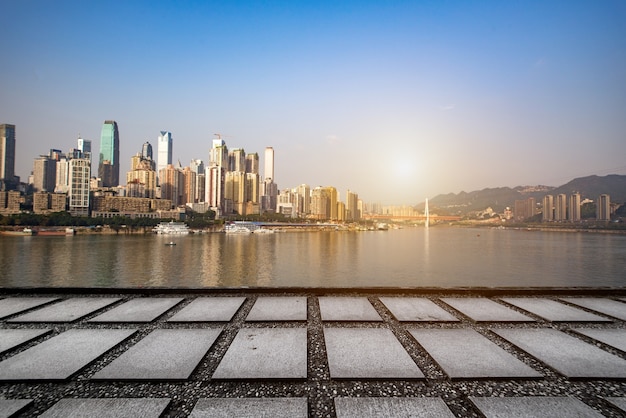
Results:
7 154
164 150
109 163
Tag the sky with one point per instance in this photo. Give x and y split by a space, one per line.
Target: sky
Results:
397 101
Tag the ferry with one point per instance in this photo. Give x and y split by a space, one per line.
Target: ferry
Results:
23 232
171 228
236 228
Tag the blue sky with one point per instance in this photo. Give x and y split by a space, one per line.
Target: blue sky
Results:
395 100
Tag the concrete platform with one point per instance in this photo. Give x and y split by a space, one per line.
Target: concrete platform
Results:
614 337
610 307
11 338
347 309
251 408
215 309
391 407
107 408
566 354
417 310
465 354
619 402
534 406
486 310
66 311
554 311
368 353
279 308
138 310
13 305
10 407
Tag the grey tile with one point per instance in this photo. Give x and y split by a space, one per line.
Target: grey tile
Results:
606 306
553 310
416 309
464 353
566 354
534 406
11 306
613 337
138 310
485 310
281 308
265 353
61 356
619 402
219 309
164 354
391 407
10 338
250 408
66 311
107 408
10 407
347 309
368 353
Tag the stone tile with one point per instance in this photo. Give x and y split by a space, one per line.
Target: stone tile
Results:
566 354
10 407
347 309
533 406
391 407
618 402
10 338
364 353
63 355
485 310
11 306
66 311
107 408
606 306
614 337
554 311
281 308
138 310
464 354
164 354
217 309
250 408
416 309
265 353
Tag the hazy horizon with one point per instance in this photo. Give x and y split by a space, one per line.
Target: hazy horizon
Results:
396 101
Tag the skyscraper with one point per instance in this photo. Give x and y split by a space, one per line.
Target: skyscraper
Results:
164 151
560 208
109 162
548 208
78 178
603 208
146 150
7 154
574 208
269 164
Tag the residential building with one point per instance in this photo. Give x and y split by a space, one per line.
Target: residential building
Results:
79 175
548 208
560 208
44 172
603 208
44 202
109 161
10 202
172 184
352 206
573 213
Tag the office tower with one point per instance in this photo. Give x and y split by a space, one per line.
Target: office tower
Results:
146 151
548 208
269 164
7 155
560 208
603 208
109 162
574 208
252 163
164 151
78 190
352 206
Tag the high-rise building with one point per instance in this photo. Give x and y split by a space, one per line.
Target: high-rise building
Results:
560 208
44 172
524 209
141 180
303 200
216 176
190 187
7 156
109 162
548 208
352 206
172 184
252 163
84 146
146 151
574 208
603 208
164 151
237 160
269 164
78 191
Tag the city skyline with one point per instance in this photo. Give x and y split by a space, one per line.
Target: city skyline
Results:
398 101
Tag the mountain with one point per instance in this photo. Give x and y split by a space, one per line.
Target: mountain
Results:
498 199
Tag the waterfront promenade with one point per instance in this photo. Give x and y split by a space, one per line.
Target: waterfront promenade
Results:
312 352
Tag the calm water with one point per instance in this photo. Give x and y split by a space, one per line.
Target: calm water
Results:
414 257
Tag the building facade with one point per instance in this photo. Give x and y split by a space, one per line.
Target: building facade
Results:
165 145
7 156
79 175
109 161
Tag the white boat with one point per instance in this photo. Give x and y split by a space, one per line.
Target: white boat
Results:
236 229
171 228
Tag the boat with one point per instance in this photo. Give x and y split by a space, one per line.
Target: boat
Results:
56 232
170 244
232 228
26 232
171 228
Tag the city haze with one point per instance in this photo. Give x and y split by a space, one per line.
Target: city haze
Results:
396 101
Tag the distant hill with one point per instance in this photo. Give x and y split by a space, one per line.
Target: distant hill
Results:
498 199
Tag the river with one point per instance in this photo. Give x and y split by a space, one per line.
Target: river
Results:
412 257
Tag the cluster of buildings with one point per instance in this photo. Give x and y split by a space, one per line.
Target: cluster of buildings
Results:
562 208
155 187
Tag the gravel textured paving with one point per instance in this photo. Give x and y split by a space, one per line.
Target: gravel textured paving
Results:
318 388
